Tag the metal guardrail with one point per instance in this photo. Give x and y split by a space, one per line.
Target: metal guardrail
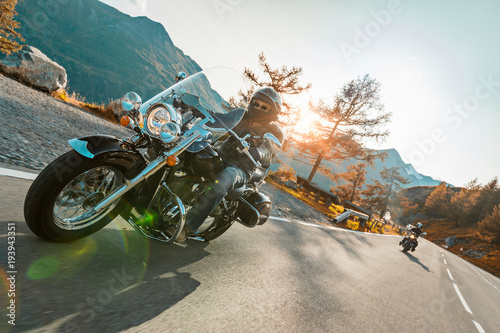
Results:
348 213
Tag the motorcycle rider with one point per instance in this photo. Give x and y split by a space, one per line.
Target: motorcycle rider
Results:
262 112
418 231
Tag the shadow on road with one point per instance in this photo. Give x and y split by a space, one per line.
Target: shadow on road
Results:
417 261
108 282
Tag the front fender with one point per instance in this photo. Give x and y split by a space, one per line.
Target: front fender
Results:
114 150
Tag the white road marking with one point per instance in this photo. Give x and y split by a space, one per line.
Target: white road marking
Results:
479 327
449 273
445 262
462 299
17 174
279 219
481 275
310 224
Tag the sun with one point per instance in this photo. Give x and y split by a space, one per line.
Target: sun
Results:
306 119
306 122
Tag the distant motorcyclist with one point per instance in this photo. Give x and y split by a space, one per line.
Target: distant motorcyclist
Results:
417 230
262 112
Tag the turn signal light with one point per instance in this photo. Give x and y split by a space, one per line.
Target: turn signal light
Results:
172 160
124 121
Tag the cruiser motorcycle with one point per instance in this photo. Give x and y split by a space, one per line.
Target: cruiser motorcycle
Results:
152 178
409 240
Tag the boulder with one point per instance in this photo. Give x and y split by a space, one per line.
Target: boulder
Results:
450 241
474 254
33 68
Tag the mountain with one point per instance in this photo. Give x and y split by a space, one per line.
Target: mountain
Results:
105 52
303 167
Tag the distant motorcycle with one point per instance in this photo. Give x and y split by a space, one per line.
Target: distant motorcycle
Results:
152 178
410 240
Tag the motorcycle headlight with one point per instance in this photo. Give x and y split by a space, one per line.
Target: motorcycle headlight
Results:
156 116
170 132
131 101
412 236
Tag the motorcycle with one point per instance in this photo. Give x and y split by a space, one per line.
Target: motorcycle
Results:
152 178
410 240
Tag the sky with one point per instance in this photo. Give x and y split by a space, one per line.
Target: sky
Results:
438 63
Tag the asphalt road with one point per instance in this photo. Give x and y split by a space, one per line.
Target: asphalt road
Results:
285 276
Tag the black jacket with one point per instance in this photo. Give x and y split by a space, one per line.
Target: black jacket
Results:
417 231
259 149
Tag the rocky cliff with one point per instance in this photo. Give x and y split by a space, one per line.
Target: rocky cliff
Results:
105 52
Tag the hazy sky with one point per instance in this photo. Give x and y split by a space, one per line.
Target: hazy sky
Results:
438 62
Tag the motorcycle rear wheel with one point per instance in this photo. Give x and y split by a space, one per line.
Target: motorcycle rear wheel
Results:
58 206
219 229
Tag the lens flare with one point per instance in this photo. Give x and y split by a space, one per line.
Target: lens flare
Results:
43 268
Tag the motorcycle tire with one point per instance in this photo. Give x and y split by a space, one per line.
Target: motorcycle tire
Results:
406 247
212 234
69 181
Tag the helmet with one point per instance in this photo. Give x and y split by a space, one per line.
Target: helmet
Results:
265 104
180 76
419 225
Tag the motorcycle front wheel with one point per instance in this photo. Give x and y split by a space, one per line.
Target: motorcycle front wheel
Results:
406 246
59 204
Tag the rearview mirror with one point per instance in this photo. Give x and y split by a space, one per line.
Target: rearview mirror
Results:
273 143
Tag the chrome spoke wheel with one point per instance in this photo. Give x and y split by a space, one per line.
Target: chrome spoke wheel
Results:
74 207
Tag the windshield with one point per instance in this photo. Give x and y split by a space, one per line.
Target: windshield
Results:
213 92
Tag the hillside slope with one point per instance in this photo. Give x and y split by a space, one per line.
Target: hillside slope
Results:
105 52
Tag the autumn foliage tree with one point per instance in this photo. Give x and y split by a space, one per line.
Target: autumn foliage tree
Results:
491 223
487 199
350 182
357 114
9 37
437 204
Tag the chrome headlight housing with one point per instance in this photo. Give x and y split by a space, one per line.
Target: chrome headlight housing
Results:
170 132
131 101
158 115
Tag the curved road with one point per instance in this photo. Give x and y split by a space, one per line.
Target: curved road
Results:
286 276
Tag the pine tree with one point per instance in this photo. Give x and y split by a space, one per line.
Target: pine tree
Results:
438 201
491 223
353 181
356 115
9 37
488 198
459 208
284 80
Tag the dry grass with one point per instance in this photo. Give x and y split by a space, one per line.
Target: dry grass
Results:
79 101
468 238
